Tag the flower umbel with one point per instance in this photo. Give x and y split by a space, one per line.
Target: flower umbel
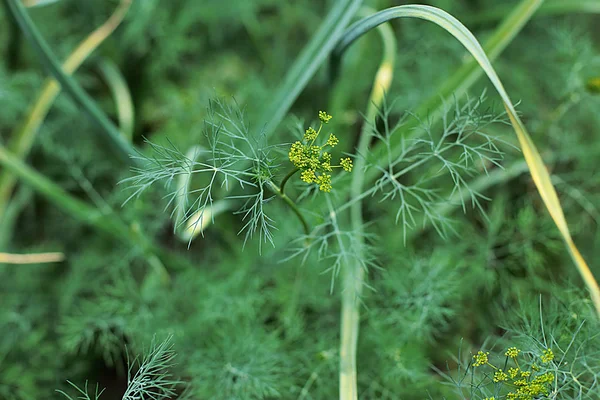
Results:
480 358
313 162
512 352
517 383
547 356
324 117
500 376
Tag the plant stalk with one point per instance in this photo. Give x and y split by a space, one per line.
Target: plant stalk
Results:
22 139
291 204
286 178
111 133
354 272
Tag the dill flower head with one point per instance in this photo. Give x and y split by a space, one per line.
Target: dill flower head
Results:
324 117
313 162
500 376
480 358
333 140
547 356
308 176
519 384
310 134
346 163
512 352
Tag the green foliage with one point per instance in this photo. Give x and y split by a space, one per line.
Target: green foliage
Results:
151 378
457 250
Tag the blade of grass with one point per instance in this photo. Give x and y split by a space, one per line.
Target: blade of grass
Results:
13 209
121 95
538 170
111 134
458 83
549 8
38 3
307 63
22 139
34 258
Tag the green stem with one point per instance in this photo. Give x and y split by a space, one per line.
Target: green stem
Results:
291 204
286 178
549 8
14 48
455 87
122 96
354 273
112 135
308 62
24 136
11 213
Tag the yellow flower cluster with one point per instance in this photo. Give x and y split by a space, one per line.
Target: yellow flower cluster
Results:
480 358
512 352
532 389
547 356
500 376
312 161
523 385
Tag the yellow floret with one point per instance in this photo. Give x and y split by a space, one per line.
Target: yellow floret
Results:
324 117
308 176
346 163
332 141
324 182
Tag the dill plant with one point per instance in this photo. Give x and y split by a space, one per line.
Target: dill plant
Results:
150 378
248 325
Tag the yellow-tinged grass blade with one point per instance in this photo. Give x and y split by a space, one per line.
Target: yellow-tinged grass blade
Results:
538 170
36 258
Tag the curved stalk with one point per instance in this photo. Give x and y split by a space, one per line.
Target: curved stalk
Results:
290 203
287 178
122 96
538 170
112 135
22 139
549 8
307 63
354 273
457 85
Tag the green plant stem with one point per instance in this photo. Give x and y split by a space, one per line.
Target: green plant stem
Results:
354 272
290 203
24 136
13 50
111 134
549 8
19 201
307 63
352 282
287 178
122 96
455 86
